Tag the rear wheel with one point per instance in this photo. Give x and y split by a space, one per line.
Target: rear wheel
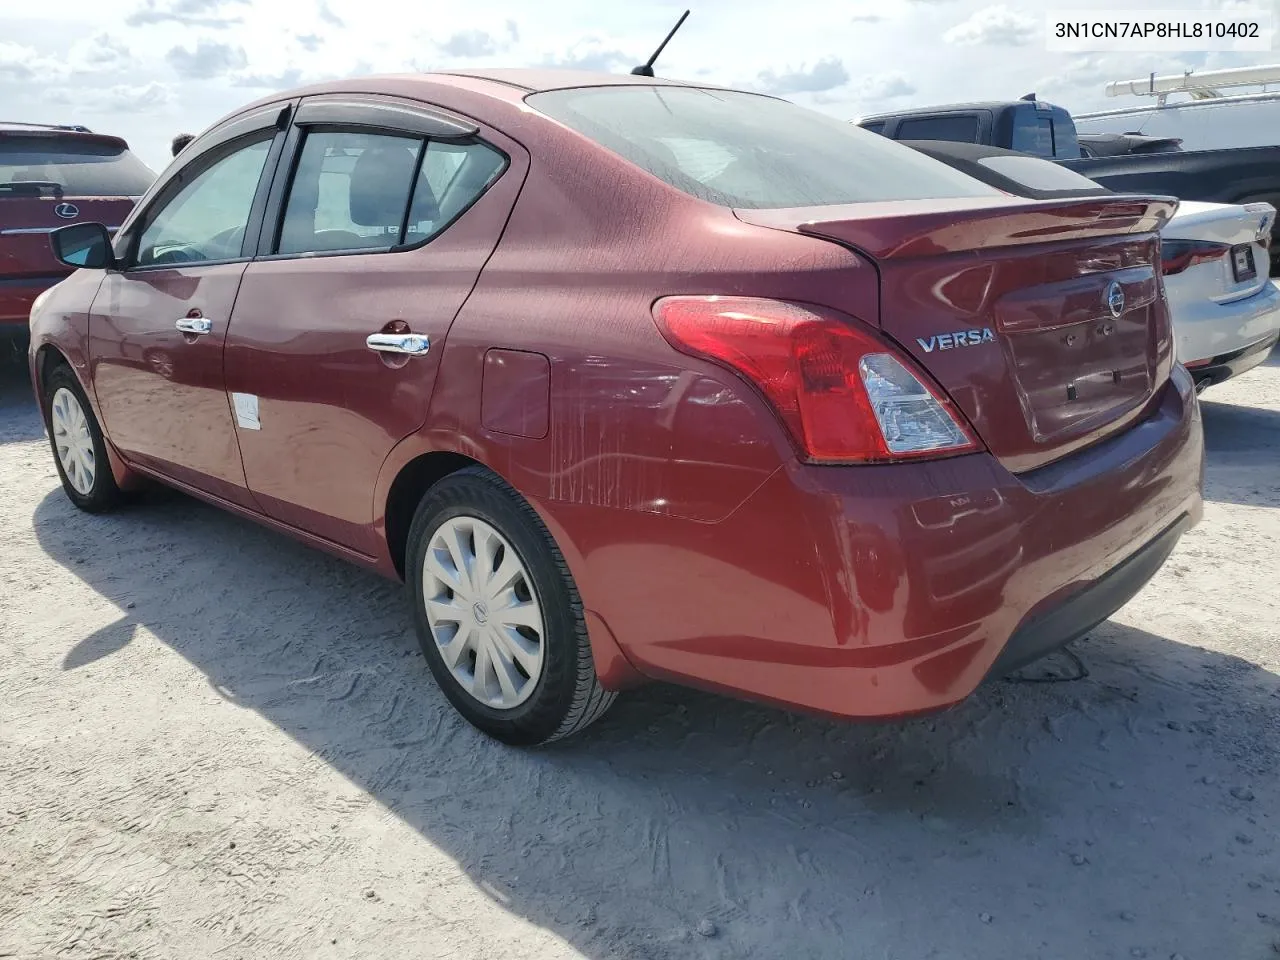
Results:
498 615
79 449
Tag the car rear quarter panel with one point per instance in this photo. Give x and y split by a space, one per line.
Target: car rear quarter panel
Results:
634 425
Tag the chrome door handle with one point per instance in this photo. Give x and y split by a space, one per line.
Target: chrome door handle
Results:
195 325
412 344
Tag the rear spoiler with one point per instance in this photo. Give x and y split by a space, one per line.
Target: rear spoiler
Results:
920 228
79 136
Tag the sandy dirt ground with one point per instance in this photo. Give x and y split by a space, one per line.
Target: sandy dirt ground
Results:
215 743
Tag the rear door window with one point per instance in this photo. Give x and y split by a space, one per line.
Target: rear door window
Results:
959 127
453 177
875 126
751 151
81 166
356 191
350 192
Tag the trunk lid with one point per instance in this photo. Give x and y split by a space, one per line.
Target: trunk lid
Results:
27 221
1045 321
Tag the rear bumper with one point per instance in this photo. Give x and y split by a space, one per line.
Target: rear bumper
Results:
17 294
1232 364
885 591
1208 331
1084 610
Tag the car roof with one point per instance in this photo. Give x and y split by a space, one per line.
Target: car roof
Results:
540 79
510 84
20 126
954 108
507 85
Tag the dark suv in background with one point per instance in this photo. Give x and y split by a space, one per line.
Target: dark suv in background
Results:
1027 125
51 176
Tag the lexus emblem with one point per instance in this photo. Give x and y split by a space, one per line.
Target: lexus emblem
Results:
67 211
1115 298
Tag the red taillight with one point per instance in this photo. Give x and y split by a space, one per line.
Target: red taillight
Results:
1177 255
845 396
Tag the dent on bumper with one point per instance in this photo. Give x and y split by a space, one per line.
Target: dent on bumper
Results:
885 591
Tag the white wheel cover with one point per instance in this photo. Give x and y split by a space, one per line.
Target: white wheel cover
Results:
484 612
72 440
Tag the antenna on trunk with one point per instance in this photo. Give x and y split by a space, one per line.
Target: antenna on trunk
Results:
646 69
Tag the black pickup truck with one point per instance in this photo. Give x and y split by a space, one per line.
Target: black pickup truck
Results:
1216 176
1029 126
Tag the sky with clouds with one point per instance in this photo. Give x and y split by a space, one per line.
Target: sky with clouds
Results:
147 69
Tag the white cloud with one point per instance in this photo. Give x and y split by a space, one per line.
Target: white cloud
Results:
888 85
208 60
994 26
284 80
823 76
593 53
101 53
189 13
122 97
471 43
125 97
327 15
23 63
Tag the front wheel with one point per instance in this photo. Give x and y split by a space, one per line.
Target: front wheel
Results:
79 448
498 615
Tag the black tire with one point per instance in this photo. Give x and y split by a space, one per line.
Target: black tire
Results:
103 494
567 695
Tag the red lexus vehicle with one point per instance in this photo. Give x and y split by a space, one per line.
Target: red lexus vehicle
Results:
51 176
633 379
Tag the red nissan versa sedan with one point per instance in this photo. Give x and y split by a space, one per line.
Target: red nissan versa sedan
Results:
631 379
51 176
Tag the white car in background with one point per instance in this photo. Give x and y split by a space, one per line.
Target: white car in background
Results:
1215 258
1226 310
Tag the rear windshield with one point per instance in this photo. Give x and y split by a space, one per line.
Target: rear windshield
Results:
1033 133
83 168
749 151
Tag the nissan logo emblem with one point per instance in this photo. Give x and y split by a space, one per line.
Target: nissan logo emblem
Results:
67 211
1115 299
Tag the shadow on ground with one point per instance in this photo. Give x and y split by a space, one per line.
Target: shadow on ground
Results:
1061 811
1243 453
